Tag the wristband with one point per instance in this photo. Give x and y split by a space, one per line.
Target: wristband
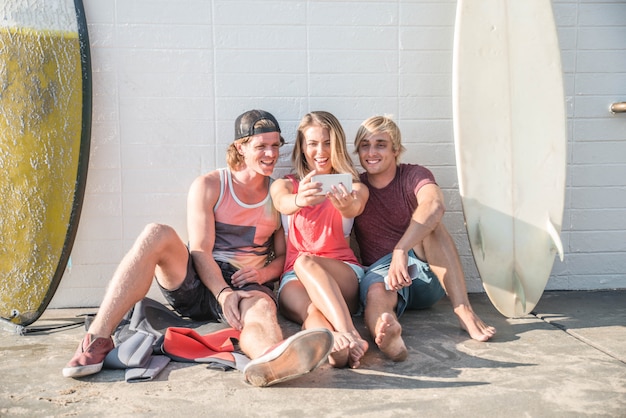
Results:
295 200
220 292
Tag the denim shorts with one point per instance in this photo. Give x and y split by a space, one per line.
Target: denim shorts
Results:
423 293
291 275
194 300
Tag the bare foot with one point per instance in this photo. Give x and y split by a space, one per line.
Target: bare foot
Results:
339 355
474 326
357 348
389 337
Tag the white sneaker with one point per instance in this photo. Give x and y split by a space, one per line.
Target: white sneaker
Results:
296 356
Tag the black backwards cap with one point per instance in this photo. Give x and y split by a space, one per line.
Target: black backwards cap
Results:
244 124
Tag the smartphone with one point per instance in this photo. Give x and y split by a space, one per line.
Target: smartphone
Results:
329 180
412 274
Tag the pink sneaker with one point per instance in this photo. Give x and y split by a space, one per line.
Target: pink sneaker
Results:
89 356
297 355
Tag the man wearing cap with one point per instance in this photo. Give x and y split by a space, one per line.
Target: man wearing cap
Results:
236 251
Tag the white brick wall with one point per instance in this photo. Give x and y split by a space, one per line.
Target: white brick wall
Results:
594 58
169 77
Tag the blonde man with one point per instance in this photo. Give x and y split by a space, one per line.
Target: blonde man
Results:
413 260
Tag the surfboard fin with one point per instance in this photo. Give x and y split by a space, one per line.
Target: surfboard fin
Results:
7 325
556 239
479 239
520 293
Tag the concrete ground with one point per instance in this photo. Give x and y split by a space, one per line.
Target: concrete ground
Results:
566 359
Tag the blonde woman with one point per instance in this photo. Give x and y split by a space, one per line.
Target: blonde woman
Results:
319 286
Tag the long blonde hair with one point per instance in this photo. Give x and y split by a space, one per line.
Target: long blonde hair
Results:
339 157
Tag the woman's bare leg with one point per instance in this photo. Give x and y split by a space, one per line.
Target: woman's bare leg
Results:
333 288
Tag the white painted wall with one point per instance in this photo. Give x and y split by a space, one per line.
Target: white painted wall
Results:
169 77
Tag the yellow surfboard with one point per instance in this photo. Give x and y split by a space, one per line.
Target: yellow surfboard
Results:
510 143
45 127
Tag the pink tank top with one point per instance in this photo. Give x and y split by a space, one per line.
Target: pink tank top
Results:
316 230
243 233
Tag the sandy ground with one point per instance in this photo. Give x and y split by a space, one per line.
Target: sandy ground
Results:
566 359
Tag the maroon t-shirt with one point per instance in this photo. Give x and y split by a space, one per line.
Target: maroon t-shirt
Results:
388 211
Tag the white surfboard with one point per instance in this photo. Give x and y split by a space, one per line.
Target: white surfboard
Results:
510 143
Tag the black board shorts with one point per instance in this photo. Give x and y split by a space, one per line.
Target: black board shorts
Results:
194 300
